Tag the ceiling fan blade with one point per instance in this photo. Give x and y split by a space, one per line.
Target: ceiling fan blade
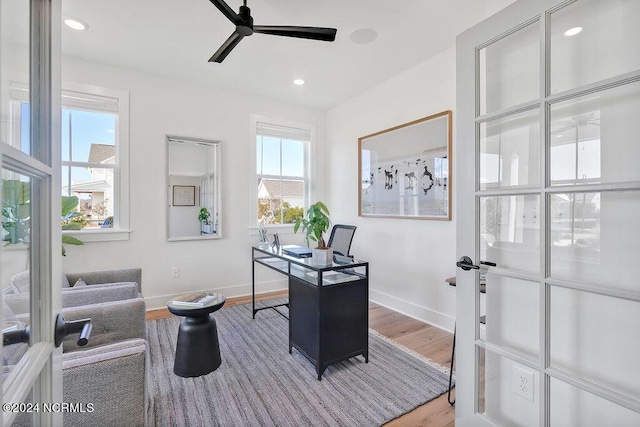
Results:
226 47
227 11
313 33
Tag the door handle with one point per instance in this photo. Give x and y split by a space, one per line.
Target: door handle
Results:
466 264
64 328
15 337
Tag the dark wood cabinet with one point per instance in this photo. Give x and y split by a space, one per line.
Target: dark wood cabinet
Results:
328 306
329 323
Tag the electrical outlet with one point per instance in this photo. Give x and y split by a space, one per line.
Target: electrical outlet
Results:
175 272
522 382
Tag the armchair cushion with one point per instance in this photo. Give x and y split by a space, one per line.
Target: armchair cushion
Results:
20 282
112 378
65 281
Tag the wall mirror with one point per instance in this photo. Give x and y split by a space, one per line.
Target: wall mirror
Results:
193 189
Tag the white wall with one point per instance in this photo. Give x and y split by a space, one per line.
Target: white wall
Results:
410 259
160 107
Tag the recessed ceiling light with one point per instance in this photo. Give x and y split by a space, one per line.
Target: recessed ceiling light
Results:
559 136
363 36
298 82
573 31
75 24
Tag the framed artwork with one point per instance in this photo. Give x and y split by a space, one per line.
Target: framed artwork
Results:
184 195
403 172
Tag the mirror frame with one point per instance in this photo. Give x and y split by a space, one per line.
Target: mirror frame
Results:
217 215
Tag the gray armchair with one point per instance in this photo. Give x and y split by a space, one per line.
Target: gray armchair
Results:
110 371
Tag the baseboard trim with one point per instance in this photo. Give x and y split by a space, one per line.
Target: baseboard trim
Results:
157 302
424 314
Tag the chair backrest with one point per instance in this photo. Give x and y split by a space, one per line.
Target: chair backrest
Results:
340 239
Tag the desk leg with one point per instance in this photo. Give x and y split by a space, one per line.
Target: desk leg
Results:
253 286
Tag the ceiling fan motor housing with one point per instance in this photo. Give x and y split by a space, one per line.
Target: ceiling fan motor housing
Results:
246 28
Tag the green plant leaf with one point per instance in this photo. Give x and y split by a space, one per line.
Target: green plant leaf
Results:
71 240
315 224
69 203
72 226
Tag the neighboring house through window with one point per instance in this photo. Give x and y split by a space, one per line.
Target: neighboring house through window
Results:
282 168
94 149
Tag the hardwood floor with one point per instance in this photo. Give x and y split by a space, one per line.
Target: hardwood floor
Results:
424 339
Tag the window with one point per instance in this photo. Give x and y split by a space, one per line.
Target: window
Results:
282 169
94 151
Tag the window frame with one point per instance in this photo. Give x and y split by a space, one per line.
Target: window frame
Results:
121 190
309 167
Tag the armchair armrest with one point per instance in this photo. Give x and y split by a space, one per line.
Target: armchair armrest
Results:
112 321
112 377
108 276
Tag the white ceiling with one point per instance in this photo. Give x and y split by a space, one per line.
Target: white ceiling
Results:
175 39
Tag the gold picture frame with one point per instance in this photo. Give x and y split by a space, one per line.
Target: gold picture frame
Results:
405 171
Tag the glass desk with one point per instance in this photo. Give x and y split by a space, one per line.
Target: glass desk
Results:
328 305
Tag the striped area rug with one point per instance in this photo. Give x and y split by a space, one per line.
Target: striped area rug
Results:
260 384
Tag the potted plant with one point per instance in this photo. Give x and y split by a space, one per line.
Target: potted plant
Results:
315 223
204 218
16 215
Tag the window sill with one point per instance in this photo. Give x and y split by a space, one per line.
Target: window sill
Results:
104 235
277 228
14 247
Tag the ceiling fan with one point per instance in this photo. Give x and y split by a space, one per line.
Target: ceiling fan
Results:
244 27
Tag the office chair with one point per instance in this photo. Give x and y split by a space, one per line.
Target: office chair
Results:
340 239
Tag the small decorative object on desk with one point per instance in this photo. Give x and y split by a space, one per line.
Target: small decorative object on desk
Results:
276 241
194 300
264 220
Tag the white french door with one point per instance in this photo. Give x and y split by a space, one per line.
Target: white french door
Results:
30 159
547 166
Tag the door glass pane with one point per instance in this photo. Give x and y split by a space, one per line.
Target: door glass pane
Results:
510 152
594 238
498 380
582 128
604 42
14 60
510 232
510 70
512 315
572 407
591 337
16 254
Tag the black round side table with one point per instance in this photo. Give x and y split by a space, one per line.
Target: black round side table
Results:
197 349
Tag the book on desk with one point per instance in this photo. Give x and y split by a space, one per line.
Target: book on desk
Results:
297 251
